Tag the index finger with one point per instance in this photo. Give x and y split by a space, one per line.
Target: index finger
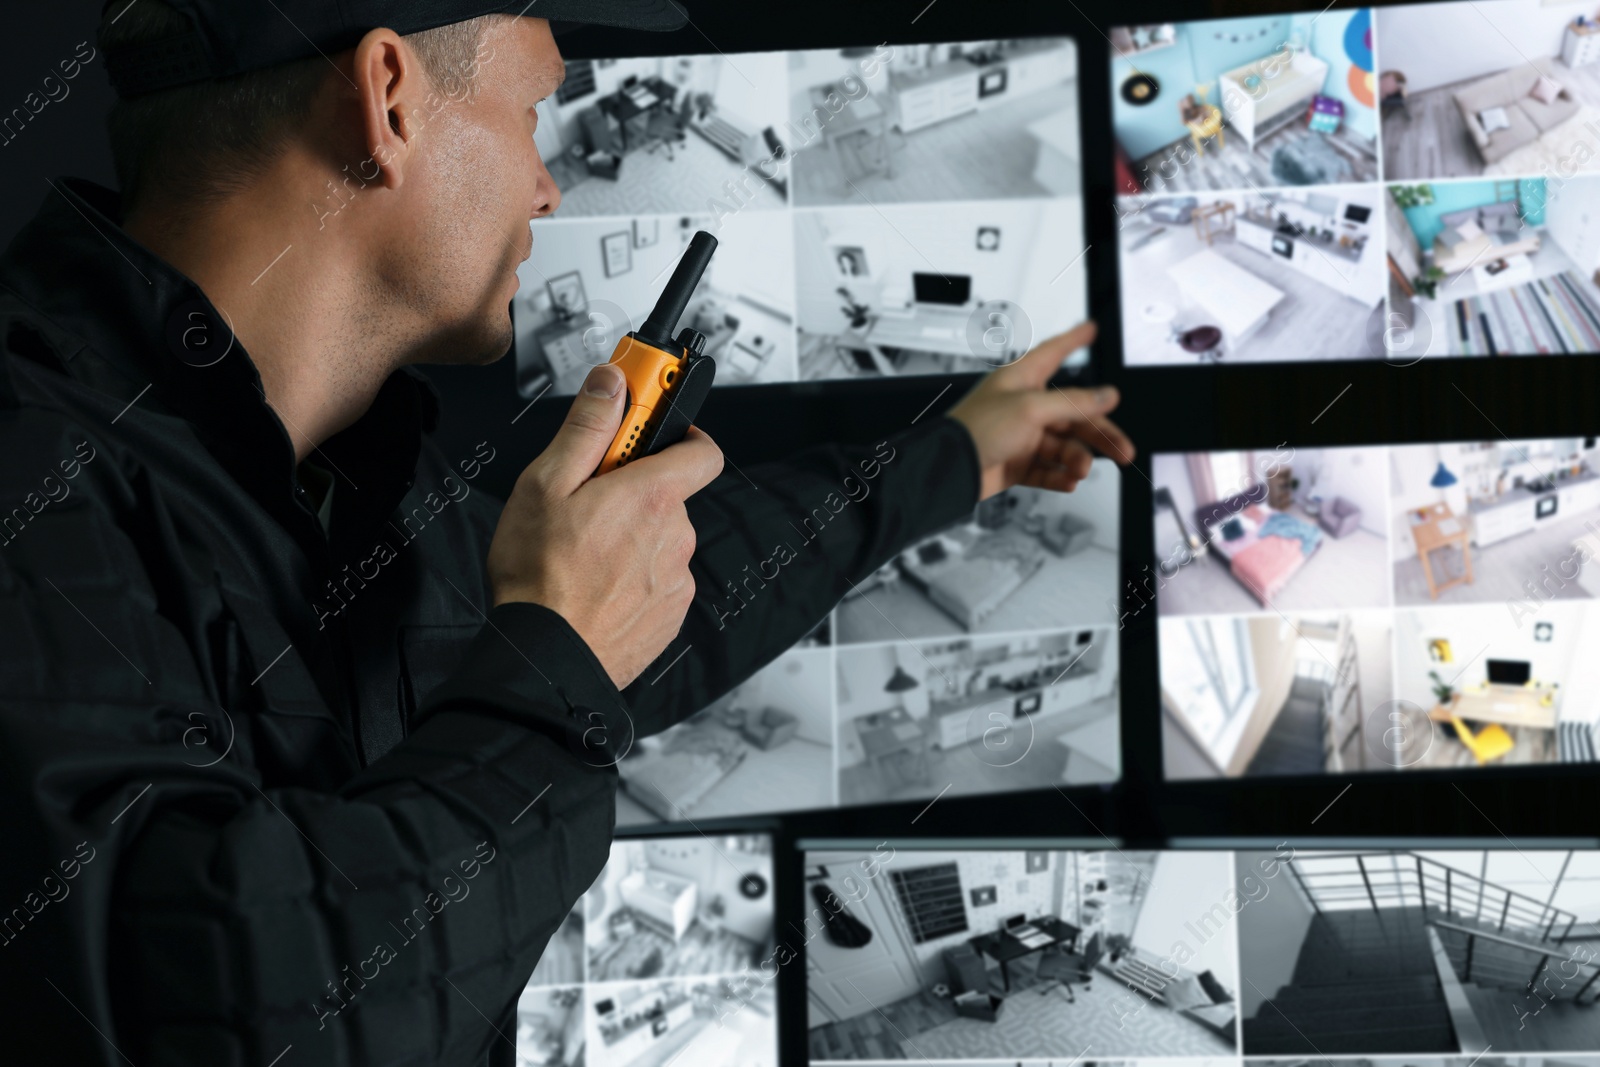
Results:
1034 367
684 468
1074 411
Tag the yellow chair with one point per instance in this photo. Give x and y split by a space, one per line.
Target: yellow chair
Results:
1206 124
1489 744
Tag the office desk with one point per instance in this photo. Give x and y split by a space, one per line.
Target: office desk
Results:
933 328
1442 528
631 117
1508 705
1003 948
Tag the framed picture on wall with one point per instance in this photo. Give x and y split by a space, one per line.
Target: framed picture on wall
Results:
646 232
616 252
1037 862
567 295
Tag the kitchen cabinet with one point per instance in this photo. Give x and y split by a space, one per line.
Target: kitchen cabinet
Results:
1494 524
939 93
1584 496
1033 71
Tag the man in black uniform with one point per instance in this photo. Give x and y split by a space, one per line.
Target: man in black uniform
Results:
306 743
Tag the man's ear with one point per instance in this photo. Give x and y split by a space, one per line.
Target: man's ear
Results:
389 84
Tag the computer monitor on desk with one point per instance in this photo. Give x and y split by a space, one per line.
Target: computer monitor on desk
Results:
949 290
1508 671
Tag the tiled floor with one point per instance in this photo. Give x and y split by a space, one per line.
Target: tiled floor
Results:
984 155
1035 1021
701 951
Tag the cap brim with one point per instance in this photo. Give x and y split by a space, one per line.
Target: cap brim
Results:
652 15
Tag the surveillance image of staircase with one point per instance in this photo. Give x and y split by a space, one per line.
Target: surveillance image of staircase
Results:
1449 952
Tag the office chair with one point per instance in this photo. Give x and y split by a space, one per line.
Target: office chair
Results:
1064 968
1490 743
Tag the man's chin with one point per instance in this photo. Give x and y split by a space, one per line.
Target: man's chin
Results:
480 348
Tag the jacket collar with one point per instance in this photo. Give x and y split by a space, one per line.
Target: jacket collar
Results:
140 322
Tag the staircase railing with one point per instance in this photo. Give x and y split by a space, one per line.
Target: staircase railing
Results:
1550 971
1341 881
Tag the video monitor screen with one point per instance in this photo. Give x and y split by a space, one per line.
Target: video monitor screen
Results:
1198 957
1337 185
667 959
1377 608
980 660
832 180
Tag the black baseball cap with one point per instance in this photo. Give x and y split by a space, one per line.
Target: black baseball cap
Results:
227 37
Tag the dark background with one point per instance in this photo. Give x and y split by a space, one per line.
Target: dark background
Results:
1167 409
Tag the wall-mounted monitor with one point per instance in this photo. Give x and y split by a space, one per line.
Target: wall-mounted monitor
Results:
982 659
1382 608
838 181
1433 955
667 958
1321 185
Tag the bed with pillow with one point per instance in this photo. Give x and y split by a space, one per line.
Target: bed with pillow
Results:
968 573
1264 548
672 772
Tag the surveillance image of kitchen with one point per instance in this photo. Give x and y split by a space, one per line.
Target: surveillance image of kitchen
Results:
907 290
550 1026
970 120
1495 521
674 906
589 282
974 716
1026 560
703 1022
667 133
1260 276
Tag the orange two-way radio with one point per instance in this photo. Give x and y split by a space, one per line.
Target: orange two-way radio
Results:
667 378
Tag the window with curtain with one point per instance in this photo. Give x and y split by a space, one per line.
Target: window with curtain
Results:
1206 668
1231 473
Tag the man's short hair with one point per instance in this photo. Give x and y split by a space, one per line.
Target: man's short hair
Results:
198 143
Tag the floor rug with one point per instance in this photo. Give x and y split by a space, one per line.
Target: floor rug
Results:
1555 315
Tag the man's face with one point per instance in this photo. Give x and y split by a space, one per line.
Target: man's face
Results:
463 226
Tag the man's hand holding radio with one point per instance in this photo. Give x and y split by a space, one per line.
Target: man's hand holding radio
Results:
1028 433
608 554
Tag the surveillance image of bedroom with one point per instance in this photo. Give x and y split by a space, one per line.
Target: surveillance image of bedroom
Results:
1025 560
904 289
765 746
978 715
660 134
1286 529
999 956
676 906
589 282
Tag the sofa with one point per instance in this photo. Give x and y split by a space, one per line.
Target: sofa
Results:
768 728
1340 516
1065 534
1480 235
1527 116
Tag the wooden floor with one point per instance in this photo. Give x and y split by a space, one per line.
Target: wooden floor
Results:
1233 165
1500 570
1311 322
1429 139
983 155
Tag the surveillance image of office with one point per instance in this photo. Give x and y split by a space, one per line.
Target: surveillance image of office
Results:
1433 1061
667 134
707 1022
1025 560
1427 952
978 715
1275 695
672 906
1244 103
1261 276
550 1030
973 120
911 290
986 956
1513 93
765 746
1494 267
1285 529
1493 685
1502 522
588 283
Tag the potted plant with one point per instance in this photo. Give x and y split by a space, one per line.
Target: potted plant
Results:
1427 283
1117 946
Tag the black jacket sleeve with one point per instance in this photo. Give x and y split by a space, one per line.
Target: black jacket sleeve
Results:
781 543
169 911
